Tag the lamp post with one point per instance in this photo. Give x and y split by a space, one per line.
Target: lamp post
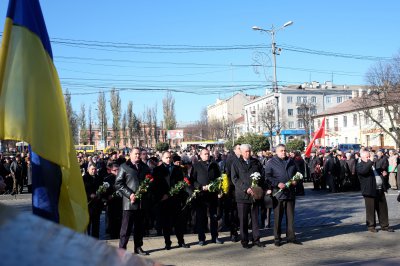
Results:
272 31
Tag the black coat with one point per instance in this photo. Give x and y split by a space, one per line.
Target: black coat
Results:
281 171
128 181
161 187
202 173
367 178
241 172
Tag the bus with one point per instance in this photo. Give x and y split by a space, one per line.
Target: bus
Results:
187 145
88 149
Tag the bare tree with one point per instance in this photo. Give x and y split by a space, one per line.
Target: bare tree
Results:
169 111
123 128
90 125
381 102
145 127
267 118
82 123
72 117
305 112
115 103
154 118
133 125
102 116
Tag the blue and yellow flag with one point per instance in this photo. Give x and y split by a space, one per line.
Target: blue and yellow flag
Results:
32 109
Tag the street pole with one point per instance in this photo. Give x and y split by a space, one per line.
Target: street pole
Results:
272 32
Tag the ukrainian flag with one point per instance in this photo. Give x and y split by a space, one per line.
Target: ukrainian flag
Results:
32 109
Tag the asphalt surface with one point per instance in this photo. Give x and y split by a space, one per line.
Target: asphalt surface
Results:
330 226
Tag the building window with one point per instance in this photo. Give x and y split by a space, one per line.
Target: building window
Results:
291 124
108 134
298 99
328 99
300 123
313 111
366 119
355 140
327 124
336 124
345 121
290 112
108 143
289 99
380 116
304 99
355 120
339 99
346 140
319 123
300 111
313 99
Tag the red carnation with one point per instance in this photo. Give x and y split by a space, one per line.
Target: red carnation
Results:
148 176
151 179
186 181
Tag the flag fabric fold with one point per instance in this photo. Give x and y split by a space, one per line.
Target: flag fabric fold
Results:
320 133
32 109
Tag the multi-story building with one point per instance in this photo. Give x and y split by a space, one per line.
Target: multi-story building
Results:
228 109
296 105
347 123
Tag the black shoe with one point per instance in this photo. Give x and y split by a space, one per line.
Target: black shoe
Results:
258 244
277 243
235 238
217 241
390 230
246 245
295 241
140 251
184 245
202 243
13 193
167 247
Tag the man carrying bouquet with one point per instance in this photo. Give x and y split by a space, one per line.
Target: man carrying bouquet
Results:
167 176
279 172
203 172
246 176
130 175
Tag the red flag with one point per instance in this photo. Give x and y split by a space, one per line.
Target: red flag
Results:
320 133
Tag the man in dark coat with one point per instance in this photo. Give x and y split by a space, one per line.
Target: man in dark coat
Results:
202 173
130 175
330 171
278 171
314 163
114 202
242 170
167 175
230 209
92 183
381 164
373 190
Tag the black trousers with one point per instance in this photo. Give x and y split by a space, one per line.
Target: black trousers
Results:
201 207
131 221
243 210
378 205
93 228
172 216
287 207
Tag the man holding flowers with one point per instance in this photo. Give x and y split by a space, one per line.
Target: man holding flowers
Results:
131 176
202 174
169 189
279 172
246 176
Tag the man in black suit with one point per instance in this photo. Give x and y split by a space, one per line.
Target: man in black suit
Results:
129 177
278 171
242 169
373 189
92 183
167 175
202 173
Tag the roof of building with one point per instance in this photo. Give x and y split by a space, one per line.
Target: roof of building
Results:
239 120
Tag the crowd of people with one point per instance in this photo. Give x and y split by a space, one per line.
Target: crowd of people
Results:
135 190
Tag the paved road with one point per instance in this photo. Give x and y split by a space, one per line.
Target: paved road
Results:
331 227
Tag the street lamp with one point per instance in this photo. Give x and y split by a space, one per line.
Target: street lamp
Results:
272 32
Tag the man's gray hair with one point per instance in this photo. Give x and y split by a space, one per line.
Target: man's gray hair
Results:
244 147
